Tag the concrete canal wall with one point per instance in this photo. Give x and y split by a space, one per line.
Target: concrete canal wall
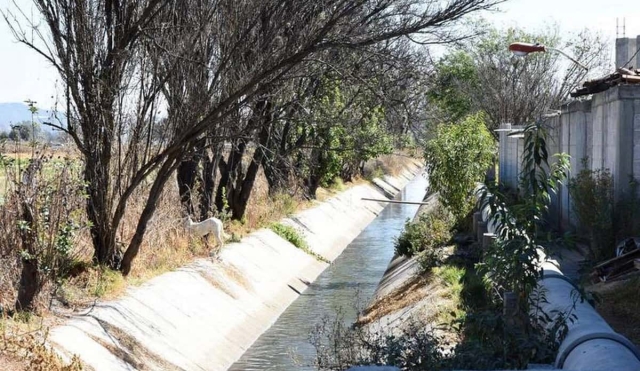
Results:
206 315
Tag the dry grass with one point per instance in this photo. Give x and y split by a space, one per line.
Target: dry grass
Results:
438 293
620 306
411 292
23 347
132 351
166 245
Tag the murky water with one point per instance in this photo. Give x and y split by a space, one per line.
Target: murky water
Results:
352 277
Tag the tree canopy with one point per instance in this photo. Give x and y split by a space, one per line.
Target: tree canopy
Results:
483 75
228 74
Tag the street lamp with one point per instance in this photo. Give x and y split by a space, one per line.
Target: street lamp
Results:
522 49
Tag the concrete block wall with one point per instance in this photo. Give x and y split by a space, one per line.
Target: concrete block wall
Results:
569 134
626 47
605 130
510 155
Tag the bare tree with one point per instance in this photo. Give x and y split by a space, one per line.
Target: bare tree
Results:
484 75
97 47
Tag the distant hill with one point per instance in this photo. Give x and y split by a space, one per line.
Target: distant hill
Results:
13 113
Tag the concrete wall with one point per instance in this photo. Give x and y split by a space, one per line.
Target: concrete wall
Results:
605 130
510 155
625 49
205 315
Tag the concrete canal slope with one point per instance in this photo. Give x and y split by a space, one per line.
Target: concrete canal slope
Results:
205 315
401 297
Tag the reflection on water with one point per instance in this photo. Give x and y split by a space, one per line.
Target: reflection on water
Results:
357 271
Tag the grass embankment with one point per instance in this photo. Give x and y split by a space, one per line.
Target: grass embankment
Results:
167 247
619 304
445 312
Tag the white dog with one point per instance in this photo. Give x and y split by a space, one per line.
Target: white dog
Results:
205 227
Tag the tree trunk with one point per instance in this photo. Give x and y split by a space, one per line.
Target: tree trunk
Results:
209 168
229 171
316 173
186 179
312 184
277 172
103 233
242 195
30 282
162 177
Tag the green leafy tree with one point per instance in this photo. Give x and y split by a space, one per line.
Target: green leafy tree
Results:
346 129
455 76
457 158
483 75
512 263
24 131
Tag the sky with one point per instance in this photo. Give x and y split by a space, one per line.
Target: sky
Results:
26 75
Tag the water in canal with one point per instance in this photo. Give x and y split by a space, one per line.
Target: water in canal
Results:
357 271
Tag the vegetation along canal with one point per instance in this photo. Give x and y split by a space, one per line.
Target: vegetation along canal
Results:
352 277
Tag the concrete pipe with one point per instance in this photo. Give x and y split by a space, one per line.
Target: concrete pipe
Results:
590 344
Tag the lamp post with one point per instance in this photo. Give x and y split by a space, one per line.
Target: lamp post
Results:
522 49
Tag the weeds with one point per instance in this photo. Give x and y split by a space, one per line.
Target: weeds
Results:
339 346
593 205
292 235
426 236
373 170
337 184
41 216
27 348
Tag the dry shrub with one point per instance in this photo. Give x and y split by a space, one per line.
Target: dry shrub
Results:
40 217
392 165
29 351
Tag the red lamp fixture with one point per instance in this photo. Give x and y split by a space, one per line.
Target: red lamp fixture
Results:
522 49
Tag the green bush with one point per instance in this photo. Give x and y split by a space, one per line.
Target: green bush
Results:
593 205
427 236
457 158
290 234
